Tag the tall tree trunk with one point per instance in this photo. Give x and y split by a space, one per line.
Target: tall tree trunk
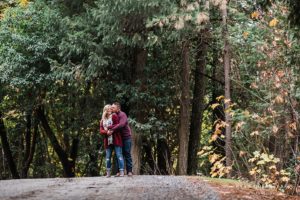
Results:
198 102
7 150
141 59
226 59
184 117
62 155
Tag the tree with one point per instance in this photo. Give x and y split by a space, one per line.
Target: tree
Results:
226 62
184 120
198 101
7 150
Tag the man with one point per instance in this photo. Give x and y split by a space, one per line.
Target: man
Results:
124 128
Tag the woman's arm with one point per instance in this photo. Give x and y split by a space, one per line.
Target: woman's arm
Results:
102 130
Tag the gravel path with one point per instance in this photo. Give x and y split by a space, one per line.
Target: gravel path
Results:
136 188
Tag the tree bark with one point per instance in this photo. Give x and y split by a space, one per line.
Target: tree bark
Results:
141 58
198 102
183 131
7 150
226 59
62 155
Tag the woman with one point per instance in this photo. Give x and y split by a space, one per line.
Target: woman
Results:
111 140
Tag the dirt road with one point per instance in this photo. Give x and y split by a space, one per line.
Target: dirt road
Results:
136 188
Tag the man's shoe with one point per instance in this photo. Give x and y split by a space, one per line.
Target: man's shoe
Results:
129 174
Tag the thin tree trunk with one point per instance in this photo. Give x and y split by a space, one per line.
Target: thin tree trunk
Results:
183 131
73 154
31 151
27 144
226 59
62 155
198 102
7 150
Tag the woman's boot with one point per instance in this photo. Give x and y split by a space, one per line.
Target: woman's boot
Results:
107 173
121 173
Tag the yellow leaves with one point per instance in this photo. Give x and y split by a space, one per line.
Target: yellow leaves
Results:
219 98
275 129
276 160
288 43
218 168
239 125
227 101
245 34
214 137
12 114
24 3
254 171
261 162
284 173
206 150
265 171
246 113
254 133
293 126
266 158
285 179
273 22
202 17
213 158
280 73
179 24
253 85
255 15
279 99
242 153
213 106
272 167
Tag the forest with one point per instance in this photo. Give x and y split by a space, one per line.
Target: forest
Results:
211 87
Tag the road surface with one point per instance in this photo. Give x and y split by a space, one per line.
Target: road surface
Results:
102 188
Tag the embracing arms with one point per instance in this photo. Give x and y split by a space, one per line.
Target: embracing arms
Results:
122 121
103 131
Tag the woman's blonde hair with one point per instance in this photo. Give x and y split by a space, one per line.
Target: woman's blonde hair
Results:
105 109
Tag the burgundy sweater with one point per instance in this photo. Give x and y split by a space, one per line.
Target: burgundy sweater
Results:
122 126
117 138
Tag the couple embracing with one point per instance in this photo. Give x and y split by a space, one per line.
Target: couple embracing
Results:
117 136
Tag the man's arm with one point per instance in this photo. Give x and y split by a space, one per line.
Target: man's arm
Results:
121 124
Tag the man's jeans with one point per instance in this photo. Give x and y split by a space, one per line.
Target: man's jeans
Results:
127 154
118 151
